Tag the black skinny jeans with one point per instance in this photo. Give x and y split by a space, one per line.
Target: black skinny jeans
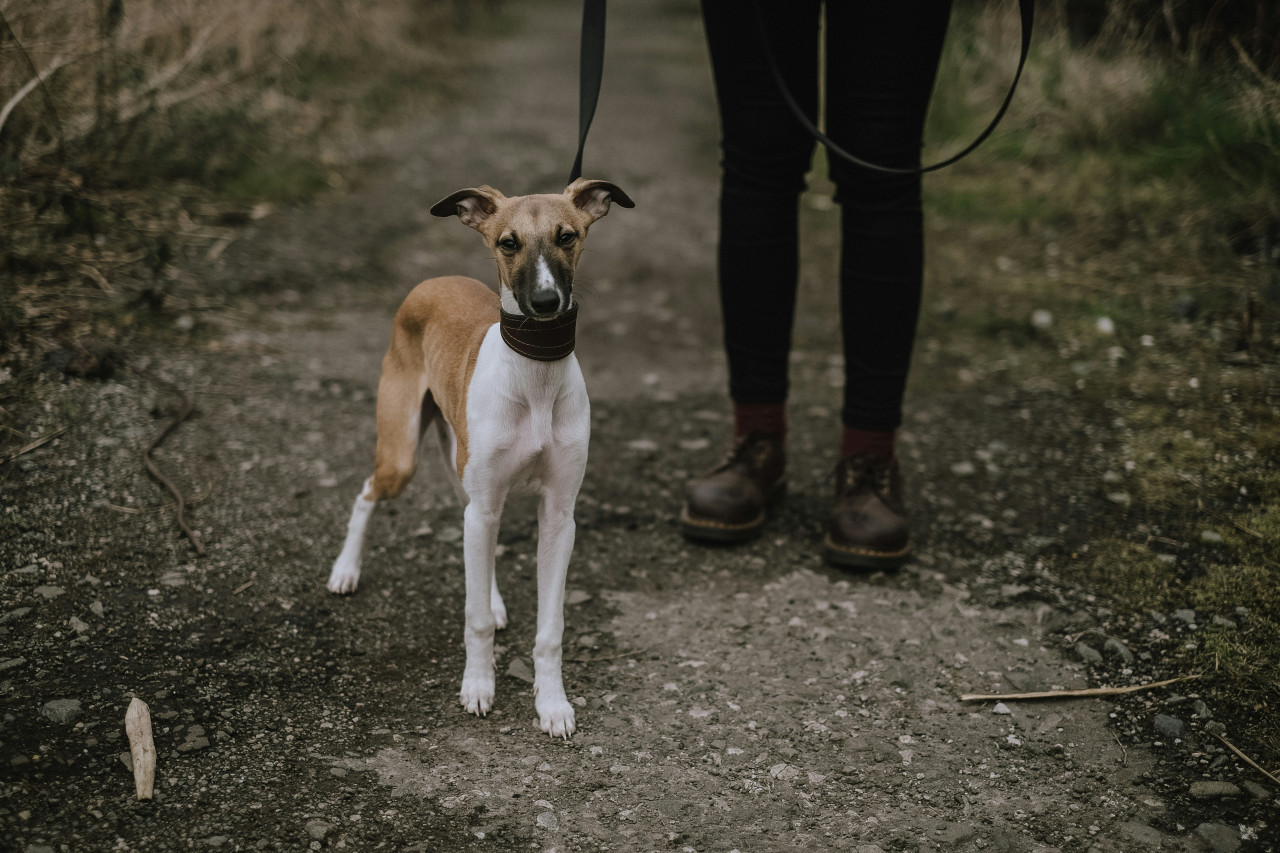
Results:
882 58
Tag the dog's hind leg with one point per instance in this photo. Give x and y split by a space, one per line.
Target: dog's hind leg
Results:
404 411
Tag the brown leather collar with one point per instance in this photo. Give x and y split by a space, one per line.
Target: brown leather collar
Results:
541 340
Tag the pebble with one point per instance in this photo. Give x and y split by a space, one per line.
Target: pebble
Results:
97 608
61 711
963 469
49 591
318 829
1118 648
519 669
1221 838
1001 708
14 615
78 625
1201 710
548 821
1210 536
1088 653
1258 792
1213 790
1170 727
1041 319
1188 616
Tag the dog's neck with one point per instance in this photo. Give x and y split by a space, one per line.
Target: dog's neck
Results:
540 340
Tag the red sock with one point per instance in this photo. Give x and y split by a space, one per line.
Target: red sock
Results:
873 441
768 418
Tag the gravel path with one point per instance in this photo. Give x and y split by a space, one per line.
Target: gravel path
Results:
747 699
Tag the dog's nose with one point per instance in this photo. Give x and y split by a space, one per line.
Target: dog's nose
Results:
544 301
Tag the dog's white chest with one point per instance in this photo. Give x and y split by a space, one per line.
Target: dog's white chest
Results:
527 420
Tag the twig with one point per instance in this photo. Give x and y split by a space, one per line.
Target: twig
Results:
39 442
1062 694
30 87
184 412
242 587
1247 759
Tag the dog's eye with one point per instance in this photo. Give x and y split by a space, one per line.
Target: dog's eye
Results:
567 238
508 244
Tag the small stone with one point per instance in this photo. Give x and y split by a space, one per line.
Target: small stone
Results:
97 609
963 469
644 445
1170 727
1117 648
548 821
318 829
1214 727
1201 710
1221 838
215 840
1213 790
1001 708
1041 319
1210 536
1224 622
784 772
1258 792
61 711
1088 653
449 534
1143 834
577 596
78 625
1185 615
49 591
193 743
1106 326
14 615
520 670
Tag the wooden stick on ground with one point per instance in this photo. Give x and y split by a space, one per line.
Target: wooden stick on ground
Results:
1066 694
137 725
184 412
1231 746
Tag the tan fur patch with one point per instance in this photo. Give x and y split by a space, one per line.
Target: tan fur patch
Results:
435 340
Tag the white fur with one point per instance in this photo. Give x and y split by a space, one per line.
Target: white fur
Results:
528 426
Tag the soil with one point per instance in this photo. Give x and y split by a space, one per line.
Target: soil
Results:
745 698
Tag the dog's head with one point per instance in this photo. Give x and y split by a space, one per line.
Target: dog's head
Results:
535 239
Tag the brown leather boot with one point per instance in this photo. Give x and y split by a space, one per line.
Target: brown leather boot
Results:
868 525
728 503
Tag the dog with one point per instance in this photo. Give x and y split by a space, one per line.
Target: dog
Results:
497 375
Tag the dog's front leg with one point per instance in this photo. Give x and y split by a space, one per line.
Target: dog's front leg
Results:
555 545
480 541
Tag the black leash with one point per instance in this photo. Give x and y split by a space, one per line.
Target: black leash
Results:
590 73
1026 9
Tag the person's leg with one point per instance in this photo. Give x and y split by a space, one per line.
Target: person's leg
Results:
881 64
882 59
765 157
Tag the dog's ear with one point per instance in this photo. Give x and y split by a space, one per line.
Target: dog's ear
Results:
473 206
594 197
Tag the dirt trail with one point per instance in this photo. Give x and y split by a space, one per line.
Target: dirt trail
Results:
746 699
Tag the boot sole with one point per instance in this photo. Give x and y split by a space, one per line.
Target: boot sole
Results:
707 530
857 557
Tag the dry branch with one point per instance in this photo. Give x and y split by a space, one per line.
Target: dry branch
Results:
184 412
1067 694
137 725
1231 746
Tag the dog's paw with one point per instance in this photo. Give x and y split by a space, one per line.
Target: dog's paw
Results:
556 718
477 695
499 614
344 578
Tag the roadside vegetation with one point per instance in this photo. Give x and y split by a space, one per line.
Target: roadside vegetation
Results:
1126 219
136 135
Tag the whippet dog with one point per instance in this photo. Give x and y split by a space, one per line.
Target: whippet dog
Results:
497 374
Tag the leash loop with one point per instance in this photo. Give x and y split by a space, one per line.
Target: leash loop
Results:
1026 10
590 73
